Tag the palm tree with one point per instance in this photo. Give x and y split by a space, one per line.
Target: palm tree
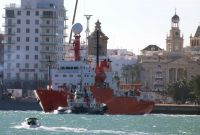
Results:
132 73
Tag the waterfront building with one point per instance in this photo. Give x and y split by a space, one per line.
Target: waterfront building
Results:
120 58
35 33
174 64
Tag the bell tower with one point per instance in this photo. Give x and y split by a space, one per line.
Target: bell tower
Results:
174 41
92 41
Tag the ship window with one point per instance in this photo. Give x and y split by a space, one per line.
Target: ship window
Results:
56 75
70 75
79 75
67 67
75 67
64 75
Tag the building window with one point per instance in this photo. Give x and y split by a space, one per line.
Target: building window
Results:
36 13
27 39
18 21
27 30
17 56
36 22
8 75
27 21
9 66
36 48
47 22
9 48
47 39
27 48
18 30
36 57
18 47
17 76
9 31
26 76
26 65
35 65
35 76
36 31
27 57
36 39
47 48
28 13
18 12
47 30
9 56
18 65
18 39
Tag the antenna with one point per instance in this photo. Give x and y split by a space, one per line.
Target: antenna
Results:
87 31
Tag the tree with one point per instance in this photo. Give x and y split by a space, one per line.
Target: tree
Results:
195 85
132 73
180 91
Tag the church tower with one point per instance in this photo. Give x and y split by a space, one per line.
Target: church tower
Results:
195 41
174 42
92 41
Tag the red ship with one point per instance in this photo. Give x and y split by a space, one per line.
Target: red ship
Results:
118 101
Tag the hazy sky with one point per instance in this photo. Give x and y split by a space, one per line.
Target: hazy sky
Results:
133 24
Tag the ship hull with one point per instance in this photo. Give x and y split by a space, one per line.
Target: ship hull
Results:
122 104
50 100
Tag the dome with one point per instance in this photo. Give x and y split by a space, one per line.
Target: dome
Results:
175 19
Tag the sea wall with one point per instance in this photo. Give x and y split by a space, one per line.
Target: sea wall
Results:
19 105
177 109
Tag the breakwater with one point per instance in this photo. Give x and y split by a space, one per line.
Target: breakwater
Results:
177 109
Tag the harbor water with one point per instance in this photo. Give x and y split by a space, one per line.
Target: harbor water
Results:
72 124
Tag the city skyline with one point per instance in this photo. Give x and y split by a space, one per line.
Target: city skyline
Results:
133 24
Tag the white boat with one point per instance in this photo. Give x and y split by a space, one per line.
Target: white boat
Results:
31 123
61 110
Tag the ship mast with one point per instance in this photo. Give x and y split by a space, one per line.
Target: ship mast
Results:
87 31
49 74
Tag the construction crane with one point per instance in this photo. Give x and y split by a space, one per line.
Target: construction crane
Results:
74 16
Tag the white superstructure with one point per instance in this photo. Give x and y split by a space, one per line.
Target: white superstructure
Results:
72 72
34 33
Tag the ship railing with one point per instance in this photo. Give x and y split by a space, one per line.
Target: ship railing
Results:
126 93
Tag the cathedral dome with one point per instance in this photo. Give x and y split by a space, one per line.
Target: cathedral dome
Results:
175 19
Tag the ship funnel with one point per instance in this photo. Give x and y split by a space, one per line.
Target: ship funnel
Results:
77 29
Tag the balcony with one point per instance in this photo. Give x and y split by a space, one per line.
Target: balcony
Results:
66 18
49 43
9 25
49 17
66 26
65 35
48 51
9 42
49 25
10 33
48 34
8 51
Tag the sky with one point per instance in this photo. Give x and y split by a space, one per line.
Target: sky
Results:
133 24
